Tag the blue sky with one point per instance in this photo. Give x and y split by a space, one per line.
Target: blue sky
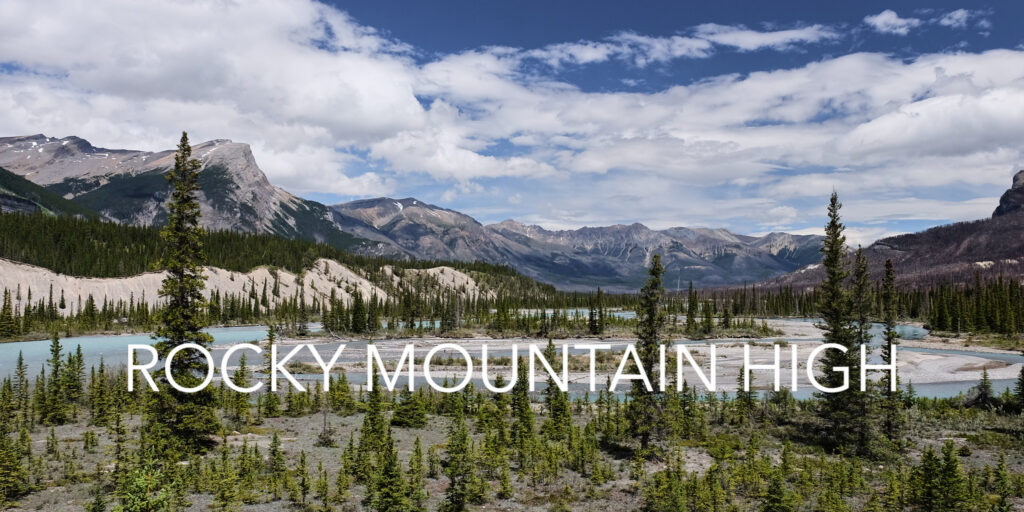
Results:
742 115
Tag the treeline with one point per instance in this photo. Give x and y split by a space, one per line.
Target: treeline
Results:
985 305
93 248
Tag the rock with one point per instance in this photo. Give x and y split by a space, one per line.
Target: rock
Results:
1013 199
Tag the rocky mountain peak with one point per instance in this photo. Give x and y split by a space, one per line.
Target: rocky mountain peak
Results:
1013 199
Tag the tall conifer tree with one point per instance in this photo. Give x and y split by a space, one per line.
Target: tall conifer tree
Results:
180 422
837 322
644 407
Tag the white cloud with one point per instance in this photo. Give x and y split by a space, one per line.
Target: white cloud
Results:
356 114
888 22
955 19
747 40
642 50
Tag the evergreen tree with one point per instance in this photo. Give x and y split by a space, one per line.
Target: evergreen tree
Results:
373 431
358 309
239 402
391 489
182 422
559 422
459 465
691 309
1018 391
99 501
13 475
411 410
417 472
952 485
277 466
985 397
323 486
225 485
892 409
271 340
8 327
863 421
522 412
56 404
644 405
927 486
837 322
778 498
1004 487
746 400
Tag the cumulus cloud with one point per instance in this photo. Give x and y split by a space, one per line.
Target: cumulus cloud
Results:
888 22
333 106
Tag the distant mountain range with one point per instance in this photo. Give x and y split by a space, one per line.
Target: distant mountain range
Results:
615 257
70 176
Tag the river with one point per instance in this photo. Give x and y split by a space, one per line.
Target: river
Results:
113 349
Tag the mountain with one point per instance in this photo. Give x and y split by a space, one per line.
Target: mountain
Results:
20 195
418 230
950 253
130 186
615 257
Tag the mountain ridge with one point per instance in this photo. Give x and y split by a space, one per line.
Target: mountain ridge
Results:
129 186
615 256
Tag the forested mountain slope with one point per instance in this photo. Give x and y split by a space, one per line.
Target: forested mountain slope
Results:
130 187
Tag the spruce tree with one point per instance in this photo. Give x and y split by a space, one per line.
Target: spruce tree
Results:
277 466
985 396
8 327
13 475
373 431
837 322
892 409
56 405
522 412
927 485
268 367
644 405
746 400
1018 392
459 465
392 492
559 422
239 402
1004 487
411 410
952 484
417 472
323 486
778 498
180 423
863 404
